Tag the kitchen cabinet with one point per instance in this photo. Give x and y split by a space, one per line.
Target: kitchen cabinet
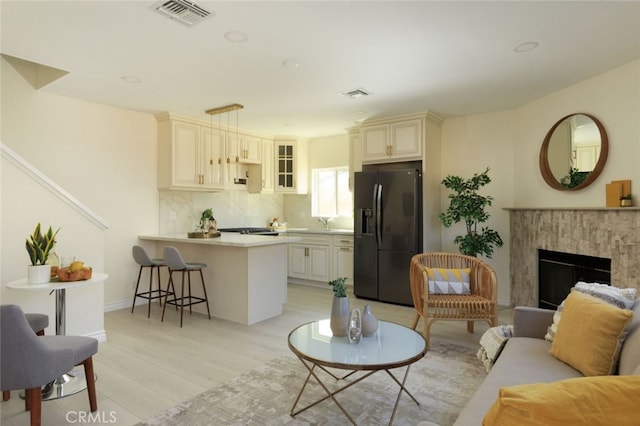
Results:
243 148
291 166
267 166
212 153
342 250
251 152
309 259
389 141
355 154
261 176
190 156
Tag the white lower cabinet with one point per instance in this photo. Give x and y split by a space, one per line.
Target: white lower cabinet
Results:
320 258
310 258
342 258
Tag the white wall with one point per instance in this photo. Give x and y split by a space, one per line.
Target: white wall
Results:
103 156
470 145
613 98
331 151
509 143
25 202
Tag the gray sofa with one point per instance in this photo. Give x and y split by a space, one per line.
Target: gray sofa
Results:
526 359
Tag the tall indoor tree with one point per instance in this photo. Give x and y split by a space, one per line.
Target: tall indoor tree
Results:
468 206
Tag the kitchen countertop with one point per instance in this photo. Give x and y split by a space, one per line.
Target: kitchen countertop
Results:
318 231
232 239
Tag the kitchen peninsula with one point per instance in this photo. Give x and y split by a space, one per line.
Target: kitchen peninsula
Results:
246 277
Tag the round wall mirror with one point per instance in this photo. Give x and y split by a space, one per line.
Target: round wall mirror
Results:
574 152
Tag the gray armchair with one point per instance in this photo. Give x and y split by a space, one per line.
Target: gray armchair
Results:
30 362
37 322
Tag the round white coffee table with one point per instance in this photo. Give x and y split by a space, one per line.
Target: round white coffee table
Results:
392 346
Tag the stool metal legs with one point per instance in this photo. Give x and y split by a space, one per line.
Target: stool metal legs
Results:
192 300
151 294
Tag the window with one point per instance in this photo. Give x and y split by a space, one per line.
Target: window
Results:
330 194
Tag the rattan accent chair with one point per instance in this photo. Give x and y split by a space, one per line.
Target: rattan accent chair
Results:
480 305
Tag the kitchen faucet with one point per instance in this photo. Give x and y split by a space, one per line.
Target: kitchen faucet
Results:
325 222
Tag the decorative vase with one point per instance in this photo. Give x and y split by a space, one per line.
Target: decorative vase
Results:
339 321
625 203
355 326
38 274
369 322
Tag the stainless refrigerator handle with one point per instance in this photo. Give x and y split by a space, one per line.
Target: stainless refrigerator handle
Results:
374 207
373 202
379 215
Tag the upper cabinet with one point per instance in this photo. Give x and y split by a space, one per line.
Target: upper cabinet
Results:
355 154
195 155
190 156
243 148
291 165
267 166
261 176
251 152
392 140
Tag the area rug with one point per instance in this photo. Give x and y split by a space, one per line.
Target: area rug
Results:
443 381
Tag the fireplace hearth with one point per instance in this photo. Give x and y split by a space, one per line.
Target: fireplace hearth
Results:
559 271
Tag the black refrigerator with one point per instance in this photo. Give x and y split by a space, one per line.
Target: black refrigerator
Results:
387 232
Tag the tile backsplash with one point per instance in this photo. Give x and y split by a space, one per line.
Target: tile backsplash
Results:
180 210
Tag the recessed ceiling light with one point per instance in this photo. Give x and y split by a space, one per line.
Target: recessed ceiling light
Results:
235 36
131 79
290 63
527 46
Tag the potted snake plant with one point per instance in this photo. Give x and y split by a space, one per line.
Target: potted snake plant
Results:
39 246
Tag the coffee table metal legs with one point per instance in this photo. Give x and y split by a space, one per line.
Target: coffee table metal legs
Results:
311 368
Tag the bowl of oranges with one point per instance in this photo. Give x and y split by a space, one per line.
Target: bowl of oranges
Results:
76 271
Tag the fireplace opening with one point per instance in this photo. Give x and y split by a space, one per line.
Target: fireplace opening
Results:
558 272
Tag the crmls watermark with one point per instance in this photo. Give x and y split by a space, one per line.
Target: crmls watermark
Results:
99 417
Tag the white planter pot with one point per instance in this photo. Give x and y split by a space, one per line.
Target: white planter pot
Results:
38 274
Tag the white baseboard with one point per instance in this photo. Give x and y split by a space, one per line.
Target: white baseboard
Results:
504 302
100 336
116 306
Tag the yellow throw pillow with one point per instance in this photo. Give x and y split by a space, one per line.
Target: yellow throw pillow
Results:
593 401
448 281
590 335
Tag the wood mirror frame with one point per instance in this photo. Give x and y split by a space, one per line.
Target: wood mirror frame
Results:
545 168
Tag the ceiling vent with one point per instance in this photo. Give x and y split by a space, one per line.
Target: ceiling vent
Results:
355 93
182 11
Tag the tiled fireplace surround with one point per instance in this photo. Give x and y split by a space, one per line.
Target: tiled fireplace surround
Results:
611 233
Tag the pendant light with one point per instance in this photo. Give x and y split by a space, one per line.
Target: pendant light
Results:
220 167
239 145
218 111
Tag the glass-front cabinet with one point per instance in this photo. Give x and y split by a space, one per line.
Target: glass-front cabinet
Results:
291 166
285 166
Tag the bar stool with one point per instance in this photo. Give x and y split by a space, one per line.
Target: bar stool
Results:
142 258
176 263
37 322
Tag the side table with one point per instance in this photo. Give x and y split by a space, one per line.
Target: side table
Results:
74 381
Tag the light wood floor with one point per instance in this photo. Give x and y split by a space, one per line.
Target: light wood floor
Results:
148 366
